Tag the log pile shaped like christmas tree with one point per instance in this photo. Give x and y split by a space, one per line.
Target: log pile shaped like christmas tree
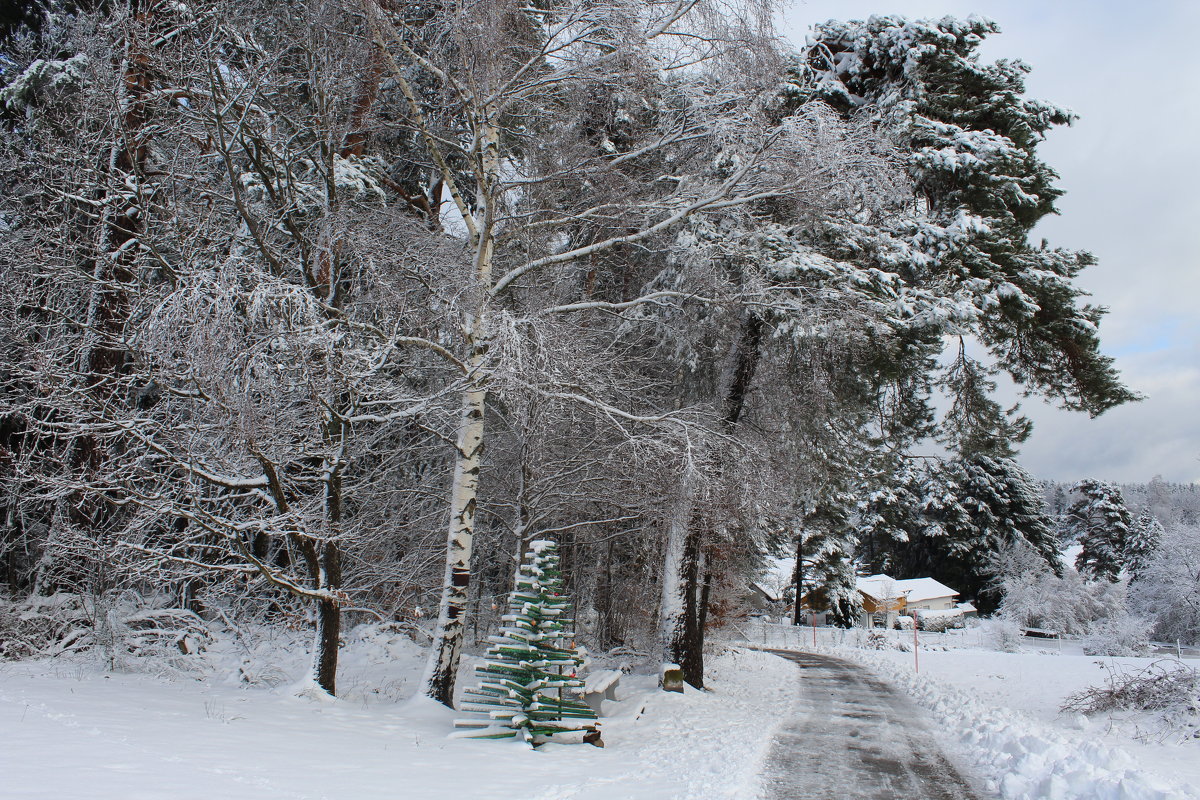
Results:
529 681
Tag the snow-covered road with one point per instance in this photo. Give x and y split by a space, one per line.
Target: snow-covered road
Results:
854 737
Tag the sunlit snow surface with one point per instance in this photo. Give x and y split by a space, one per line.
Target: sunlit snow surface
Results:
69 731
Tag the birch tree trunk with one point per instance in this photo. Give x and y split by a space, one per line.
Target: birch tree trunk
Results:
442 668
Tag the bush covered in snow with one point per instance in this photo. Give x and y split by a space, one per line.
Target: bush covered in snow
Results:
1161 601
1117 635
122 629
880 640
941 621
1035 597
1001 633
28 629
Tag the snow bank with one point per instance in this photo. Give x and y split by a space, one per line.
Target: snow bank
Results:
1019 757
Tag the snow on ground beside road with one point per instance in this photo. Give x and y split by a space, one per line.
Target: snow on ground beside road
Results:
1037 683
70 730
1000 710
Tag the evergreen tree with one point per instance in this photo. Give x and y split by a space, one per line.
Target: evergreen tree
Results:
976 424
530 672
828 547
1145 538
1101 523
968 140
949 519
1058 502
889 511
973 507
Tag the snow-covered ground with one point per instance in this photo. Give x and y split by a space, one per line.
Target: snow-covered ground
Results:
70 730
1000 712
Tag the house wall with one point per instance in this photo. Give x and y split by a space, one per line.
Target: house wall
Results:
880 612
872 606
933 604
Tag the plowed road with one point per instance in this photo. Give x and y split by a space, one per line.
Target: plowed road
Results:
853 737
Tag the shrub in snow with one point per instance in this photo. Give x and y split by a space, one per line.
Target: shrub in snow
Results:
1118 635
880 640
528 683
30 628
126 629
40 80
1001 633
941 622
1035 597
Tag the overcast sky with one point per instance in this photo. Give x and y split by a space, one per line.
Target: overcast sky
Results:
1131 170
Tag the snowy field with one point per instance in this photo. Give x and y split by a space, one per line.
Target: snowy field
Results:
73 730
1000 713
69 731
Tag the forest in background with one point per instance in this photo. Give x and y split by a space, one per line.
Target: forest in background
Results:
319 312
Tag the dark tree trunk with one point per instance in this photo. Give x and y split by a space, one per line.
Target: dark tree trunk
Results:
735 385
704 593
329 622
745 364
327 575
189 596
798 579
111 267
691 646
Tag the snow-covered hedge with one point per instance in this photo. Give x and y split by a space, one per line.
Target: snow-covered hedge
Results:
941 621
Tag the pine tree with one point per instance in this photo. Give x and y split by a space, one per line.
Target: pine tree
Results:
1058 502
1101 523
889 512
1145 538
968 139
957 515
530 672
829 541
976 424
949 519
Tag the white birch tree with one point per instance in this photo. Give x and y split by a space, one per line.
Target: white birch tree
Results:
509 134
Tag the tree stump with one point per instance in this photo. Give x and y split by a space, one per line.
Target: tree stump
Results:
672 678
